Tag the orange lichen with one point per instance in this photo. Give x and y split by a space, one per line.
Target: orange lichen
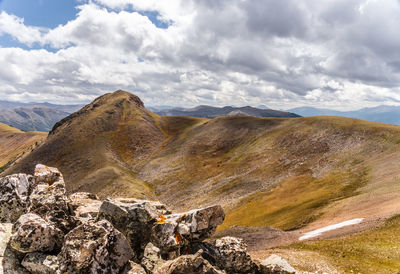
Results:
161 220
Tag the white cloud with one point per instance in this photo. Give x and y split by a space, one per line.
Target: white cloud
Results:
213 52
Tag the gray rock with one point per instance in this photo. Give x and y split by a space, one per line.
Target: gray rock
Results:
48 198
94 248
173 231
32 233
228 253
40 263
14 202
84 206
188 264
133 268
233 256
151 258
276 265
134 218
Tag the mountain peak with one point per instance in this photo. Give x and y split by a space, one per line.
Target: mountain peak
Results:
107 104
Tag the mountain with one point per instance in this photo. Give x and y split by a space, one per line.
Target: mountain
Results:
32 118
382 114
212 112
65 108
293 174
15 143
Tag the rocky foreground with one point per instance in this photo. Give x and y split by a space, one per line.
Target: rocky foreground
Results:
43 230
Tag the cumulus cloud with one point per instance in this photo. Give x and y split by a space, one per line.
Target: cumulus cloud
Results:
221 52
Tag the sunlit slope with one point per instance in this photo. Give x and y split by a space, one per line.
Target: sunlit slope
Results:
284 173
101 147
14 143
287 173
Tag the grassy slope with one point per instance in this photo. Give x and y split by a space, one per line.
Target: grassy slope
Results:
14 143
276 172
375 251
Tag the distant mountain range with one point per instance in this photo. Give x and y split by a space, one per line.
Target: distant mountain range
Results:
211 112
382 114
34 116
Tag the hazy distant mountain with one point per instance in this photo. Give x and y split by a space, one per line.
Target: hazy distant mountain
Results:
34 116
65 108
211 112
382 114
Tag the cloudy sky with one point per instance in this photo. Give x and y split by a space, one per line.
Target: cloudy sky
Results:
342 54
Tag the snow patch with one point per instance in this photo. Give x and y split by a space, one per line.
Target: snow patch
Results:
319 231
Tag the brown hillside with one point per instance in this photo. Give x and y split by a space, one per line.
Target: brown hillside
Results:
101 147
14 143
300 173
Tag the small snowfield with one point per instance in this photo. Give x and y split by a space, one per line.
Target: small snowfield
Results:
319 231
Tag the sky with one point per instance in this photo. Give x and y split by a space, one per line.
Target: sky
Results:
339 54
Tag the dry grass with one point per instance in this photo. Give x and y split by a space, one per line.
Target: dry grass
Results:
376 251
14 143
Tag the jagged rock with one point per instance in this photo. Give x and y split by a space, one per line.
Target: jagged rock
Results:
48 198
151 258
39 263
228 253
84 206
133 268
276 265
188 264
134 218
32 233
94 248
14 191
48 175
176 230
233 256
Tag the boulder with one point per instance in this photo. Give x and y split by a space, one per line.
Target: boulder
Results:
40 263
32 233
151 258
188 264
276 265
94 248
173 231
133 268
134 218
228 253
233 256
14 201
84 206
48 198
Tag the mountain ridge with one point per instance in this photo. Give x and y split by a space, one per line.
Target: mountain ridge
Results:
205 111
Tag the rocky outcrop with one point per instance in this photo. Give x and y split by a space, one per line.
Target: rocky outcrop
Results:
94 248
133 268
56 233
171 232
31 233
84 206
276 265
14 192
40 263
152 258
48 198
134 218
188 264
228 253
